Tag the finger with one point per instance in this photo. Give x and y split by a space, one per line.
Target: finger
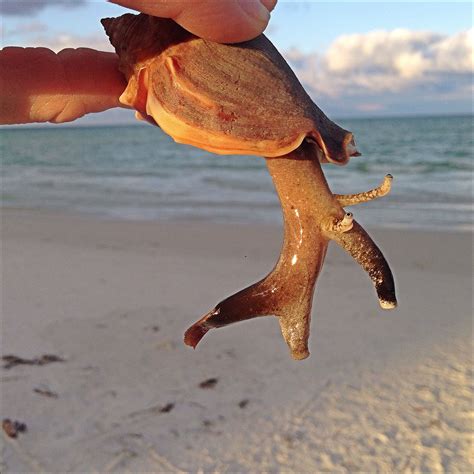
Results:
39 85
225 21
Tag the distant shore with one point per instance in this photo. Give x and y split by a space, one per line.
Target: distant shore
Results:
127 119
381 391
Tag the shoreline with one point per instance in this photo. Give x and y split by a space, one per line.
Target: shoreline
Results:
141 174
381 391
95 216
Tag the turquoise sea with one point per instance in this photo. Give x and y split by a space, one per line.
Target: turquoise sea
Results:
137 172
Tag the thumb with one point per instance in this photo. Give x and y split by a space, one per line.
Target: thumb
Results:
224 21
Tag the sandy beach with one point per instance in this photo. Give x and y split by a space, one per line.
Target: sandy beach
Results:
381 391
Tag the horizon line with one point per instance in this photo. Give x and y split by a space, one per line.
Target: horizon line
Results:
139 123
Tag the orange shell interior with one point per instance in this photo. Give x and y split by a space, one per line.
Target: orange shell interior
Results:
140 96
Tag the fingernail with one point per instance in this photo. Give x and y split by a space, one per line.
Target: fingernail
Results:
119 2
270 4
255 9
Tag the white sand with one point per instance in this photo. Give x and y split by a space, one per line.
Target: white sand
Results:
382 391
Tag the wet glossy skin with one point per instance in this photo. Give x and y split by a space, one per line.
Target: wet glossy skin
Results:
245 99
313 216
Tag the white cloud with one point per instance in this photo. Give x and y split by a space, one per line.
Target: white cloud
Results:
38 34
380 64
378 72
59 41
28 28
369 107
456 53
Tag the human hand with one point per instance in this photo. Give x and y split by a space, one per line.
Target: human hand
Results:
39 85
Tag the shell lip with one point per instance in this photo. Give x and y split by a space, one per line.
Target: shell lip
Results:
339 155
350 146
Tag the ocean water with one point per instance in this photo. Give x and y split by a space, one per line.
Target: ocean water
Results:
137 172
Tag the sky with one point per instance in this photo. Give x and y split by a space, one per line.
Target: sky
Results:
355 59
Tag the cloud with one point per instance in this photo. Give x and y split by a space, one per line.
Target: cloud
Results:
369 107
59 41
381 66
31 7
38 34
32 27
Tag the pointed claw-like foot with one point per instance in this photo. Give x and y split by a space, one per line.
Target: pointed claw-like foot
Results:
292 308
286 293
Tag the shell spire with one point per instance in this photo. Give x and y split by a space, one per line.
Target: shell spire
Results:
121 29
138 38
